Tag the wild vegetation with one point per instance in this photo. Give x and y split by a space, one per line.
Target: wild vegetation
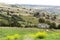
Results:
8 33
14 16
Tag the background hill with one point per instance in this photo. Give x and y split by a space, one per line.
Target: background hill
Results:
23 15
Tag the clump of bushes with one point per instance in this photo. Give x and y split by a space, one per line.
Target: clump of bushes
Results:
52 24
41 20
13 37
36 14
41 35
58 27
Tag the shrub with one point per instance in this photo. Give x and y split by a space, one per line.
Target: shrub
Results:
41 35
37 14
54 17
4 22
7 12
48 22
47 16
58 26
41 20
16 36
13 37
53 25
10 37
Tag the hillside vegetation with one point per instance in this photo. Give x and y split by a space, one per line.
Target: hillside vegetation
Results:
18 16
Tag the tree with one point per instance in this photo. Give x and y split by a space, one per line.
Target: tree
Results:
43 14
41 20
53 25
11 11
7 12
48 22
47 17
37 14
58 26
54 17
4 22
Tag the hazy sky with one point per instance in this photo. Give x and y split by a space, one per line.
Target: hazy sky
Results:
38 2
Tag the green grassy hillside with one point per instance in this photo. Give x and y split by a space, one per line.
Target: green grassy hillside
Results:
25 32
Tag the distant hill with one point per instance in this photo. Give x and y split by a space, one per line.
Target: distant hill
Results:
26 15
48 8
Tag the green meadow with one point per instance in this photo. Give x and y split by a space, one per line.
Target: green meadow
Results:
27 33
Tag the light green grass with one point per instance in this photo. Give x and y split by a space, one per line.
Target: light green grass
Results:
4 31
31 19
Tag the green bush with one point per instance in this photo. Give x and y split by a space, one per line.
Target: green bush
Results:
41 35
37 14
48 22
53 25
41 20
58 26
4 22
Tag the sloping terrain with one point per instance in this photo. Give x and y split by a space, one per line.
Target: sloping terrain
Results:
12 15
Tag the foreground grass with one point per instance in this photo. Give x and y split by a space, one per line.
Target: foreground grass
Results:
24 32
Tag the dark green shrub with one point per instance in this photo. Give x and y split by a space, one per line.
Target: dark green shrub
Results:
37 14
47 16
58 26
41 35
41 20
4 22
53 25
48 22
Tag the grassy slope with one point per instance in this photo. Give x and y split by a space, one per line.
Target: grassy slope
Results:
24 31
30 19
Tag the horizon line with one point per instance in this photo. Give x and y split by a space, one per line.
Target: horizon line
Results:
31 4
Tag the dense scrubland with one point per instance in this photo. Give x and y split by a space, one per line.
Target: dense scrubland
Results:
14 16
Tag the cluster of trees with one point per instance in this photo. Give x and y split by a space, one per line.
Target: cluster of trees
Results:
52 24
47 16
17 21
14 21
5 20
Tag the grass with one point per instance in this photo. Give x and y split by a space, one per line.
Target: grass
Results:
31 19
24 32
